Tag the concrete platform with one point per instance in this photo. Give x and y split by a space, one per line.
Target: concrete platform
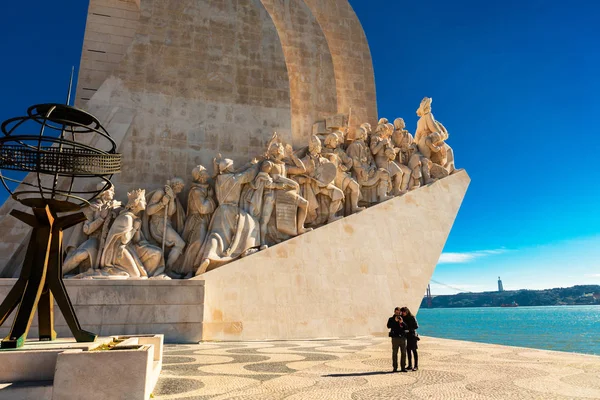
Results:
36 360
66 370
360 369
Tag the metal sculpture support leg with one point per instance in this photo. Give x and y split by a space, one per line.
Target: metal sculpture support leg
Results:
15 295
33 275
46 314
55 282
41 281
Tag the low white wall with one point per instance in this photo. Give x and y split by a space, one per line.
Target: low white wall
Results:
173 308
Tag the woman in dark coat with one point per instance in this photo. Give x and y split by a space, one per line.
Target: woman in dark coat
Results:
411 338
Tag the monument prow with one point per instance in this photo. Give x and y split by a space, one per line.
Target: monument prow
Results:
340 280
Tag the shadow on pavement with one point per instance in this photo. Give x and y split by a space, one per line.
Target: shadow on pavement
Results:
358 374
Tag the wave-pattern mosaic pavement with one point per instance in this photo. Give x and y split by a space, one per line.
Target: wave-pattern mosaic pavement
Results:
360 369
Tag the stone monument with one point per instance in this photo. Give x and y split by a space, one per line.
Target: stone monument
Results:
311 201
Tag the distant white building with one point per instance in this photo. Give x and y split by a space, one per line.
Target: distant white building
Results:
500 287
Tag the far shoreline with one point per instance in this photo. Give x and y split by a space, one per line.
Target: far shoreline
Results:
579 295
528 306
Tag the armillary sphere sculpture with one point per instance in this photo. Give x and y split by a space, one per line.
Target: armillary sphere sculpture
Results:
65 152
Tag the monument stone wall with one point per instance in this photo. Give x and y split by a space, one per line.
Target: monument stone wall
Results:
177 82
338 218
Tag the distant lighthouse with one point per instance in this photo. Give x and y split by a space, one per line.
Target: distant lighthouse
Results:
500 287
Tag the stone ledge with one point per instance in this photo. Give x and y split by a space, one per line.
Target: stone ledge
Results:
173 308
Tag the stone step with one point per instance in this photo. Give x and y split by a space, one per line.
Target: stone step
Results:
40 390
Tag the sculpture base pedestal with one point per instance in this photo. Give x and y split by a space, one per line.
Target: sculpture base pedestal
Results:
174 308
65 369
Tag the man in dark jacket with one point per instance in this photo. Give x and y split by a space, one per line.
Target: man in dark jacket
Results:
397 333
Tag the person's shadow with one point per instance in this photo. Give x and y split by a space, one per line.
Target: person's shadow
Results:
358 374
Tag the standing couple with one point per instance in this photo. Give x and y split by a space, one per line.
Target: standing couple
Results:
403 326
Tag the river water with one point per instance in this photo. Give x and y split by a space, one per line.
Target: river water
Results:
562 328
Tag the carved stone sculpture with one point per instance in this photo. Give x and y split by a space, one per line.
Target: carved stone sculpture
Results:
368 129
100 213
164 221
200 207
127 252
430 138
260 199
410 156
403 140
426 123
385 154
375 183
343 178
289 207
233 231
259 205
324 198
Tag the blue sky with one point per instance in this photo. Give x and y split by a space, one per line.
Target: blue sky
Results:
515 83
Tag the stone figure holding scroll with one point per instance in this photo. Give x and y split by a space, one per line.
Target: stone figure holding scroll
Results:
200 207
375 183
164 220
233 231
100 214
127 252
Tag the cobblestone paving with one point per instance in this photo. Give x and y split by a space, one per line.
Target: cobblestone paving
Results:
360 369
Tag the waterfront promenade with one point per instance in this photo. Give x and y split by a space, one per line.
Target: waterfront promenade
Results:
360 368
